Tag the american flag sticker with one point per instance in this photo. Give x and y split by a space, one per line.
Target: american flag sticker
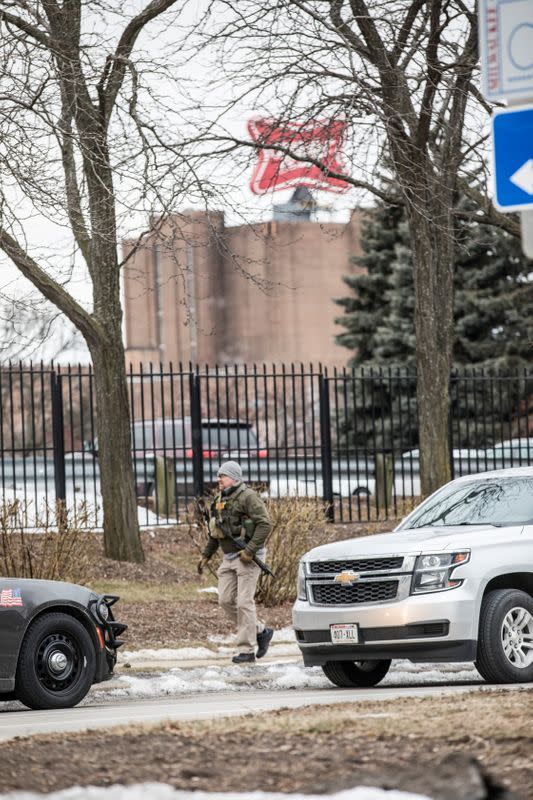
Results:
10 598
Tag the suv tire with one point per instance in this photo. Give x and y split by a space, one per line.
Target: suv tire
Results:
56 664
354 674
504 651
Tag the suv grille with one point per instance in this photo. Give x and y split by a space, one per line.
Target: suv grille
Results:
371 592
359 565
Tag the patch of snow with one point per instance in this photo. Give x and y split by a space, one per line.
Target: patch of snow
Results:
283 650
37 506
218 638
284 635
161 791
208 590
294 676
219 678
405 673
273 675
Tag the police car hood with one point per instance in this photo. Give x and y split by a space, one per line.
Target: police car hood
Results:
38 591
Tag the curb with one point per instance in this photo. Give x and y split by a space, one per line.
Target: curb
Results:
217 660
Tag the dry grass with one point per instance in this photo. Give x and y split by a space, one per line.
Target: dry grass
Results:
479 713
298 523
55 549
143 591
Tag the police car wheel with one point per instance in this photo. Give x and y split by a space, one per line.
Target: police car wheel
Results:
355 674
57 663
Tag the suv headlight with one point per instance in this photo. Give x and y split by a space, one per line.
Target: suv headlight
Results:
302 585
433 573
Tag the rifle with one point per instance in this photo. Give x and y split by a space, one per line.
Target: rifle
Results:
239 543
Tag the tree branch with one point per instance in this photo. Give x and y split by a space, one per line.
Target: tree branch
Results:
113 76
405 30
25 27
489 214
50 288
357 184
434 75
75 213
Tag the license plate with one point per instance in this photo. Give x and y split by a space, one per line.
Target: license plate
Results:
344 634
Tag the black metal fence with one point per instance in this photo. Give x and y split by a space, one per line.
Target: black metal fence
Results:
346 437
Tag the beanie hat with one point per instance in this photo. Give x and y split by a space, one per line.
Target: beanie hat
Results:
232 469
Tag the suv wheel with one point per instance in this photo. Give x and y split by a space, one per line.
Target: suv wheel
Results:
505 644
56 663
353 674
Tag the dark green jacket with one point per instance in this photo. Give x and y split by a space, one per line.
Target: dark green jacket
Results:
238 512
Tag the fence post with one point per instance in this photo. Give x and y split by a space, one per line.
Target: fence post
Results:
325 439
196 435
384 481
58 433
450 429
165 485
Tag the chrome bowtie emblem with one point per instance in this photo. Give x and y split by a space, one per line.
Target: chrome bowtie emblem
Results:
348 576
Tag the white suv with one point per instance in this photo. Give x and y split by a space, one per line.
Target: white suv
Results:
453 582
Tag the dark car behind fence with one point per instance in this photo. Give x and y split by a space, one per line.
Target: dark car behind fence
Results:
346 437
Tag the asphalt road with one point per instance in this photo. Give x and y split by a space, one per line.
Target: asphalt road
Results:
195 707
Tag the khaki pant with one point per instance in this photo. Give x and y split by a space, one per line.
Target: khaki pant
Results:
236 590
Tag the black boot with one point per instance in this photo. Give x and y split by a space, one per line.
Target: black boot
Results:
263 641
244 658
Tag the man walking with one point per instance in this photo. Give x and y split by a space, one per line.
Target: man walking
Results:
238 512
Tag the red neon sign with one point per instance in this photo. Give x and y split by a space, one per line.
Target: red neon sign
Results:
275 170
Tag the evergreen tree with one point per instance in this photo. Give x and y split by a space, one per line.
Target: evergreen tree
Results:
395 334
493 300
379 236
493 330
493 297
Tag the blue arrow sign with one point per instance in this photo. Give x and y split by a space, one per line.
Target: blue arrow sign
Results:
512 132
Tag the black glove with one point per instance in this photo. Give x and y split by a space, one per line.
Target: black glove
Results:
202 564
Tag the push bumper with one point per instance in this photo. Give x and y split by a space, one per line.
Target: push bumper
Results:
108 642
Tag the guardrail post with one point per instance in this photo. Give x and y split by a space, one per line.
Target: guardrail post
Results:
196 435
325 439
58 433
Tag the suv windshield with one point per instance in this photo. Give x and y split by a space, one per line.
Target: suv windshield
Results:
503 501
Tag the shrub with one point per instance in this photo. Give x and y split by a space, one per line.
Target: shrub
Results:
299 523
54 549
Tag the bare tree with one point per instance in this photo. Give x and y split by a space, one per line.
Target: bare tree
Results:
72 128
403 77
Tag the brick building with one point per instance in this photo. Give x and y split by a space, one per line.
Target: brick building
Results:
200 291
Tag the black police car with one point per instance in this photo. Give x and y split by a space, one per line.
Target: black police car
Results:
56 640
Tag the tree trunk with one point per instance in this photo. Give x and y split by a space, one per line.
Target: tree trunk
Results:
121 527
433 255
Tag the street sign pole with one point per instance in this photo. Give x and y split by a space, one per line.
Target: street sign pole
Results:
526 225
526 217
